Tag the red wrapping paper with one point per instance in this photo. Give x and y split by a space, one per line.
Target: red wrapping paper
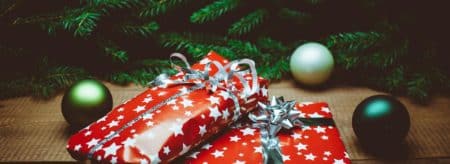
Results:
168 132
309 144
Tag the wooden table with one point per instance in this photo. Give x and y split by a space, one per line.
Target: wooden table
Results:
35 130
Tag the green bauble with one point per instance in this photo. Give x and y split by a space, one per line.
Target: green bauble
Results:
85 102
311 64
381 120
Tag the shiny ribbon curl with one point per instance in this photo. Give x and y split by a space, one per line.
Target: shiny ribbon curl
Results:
220 80
271 118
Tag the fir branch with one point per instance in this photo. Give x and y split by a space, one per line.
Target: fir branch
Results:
354 41
418 87
213 10
247 23
244 48
294 16
114 4
117 54
270 45
155 8
82 23
186 40
142 30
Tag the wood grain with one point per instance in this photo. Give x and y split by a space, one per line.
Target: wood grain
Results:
35 130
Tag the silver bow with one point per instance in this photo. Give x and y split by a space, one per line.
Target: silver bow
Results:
220 80
271 118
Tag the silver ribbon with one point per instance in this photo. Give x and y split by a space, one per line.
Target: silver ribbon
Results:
220 80
200 80
270 119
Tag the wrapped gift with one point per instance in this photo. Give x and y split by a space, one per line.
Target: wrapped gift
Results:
174 115
280 132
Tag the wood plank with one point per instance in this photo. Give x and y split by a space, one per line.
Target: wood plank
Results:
34 130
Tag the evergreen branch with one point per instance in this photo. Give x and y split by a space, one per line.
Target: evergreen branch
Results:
213 10
272 46
115 4
418 87
83 23
354 41
294 16
155 8
186 40
117 54
247 23
244 48
142 30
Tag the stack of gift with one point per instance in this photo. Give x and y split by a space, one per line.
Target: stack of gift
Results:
175 114
187 118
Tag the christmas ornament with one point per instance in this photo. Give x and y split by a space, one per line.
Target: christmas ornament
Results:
380 120
311 63
85 102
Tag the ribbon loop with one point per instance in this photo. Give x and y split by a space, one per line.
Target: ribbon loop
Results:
271 119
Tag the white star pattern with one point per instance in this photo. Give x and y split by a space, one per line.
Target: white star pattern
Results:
119 117
194 154
248 131
239 162
346 155
175 107
120 109
129 142
234 138
113 160
338 161
139 109
315 115
111 150
296 136
103 118
324 137
206 146
147 116
177 129
301 146
214 112
92 142
258 149
285 157
150 123
225 95
77 147
217 154
213 100
113 123
183 90
327 153
147 99
310 156
162 93
185 149
188 113
319 129
166 150
225 114
202 130
186 103
87 133
325 109
264 91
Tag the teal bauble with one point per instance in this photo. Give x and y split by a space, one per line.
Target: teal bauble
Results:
85 102
380 120
311 64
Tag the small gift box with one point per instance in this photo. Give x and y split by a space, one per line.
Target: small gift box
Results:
174 115
281 132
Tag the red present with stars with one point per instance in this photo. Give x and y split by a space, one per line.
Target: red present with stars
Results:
169 119
308 144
